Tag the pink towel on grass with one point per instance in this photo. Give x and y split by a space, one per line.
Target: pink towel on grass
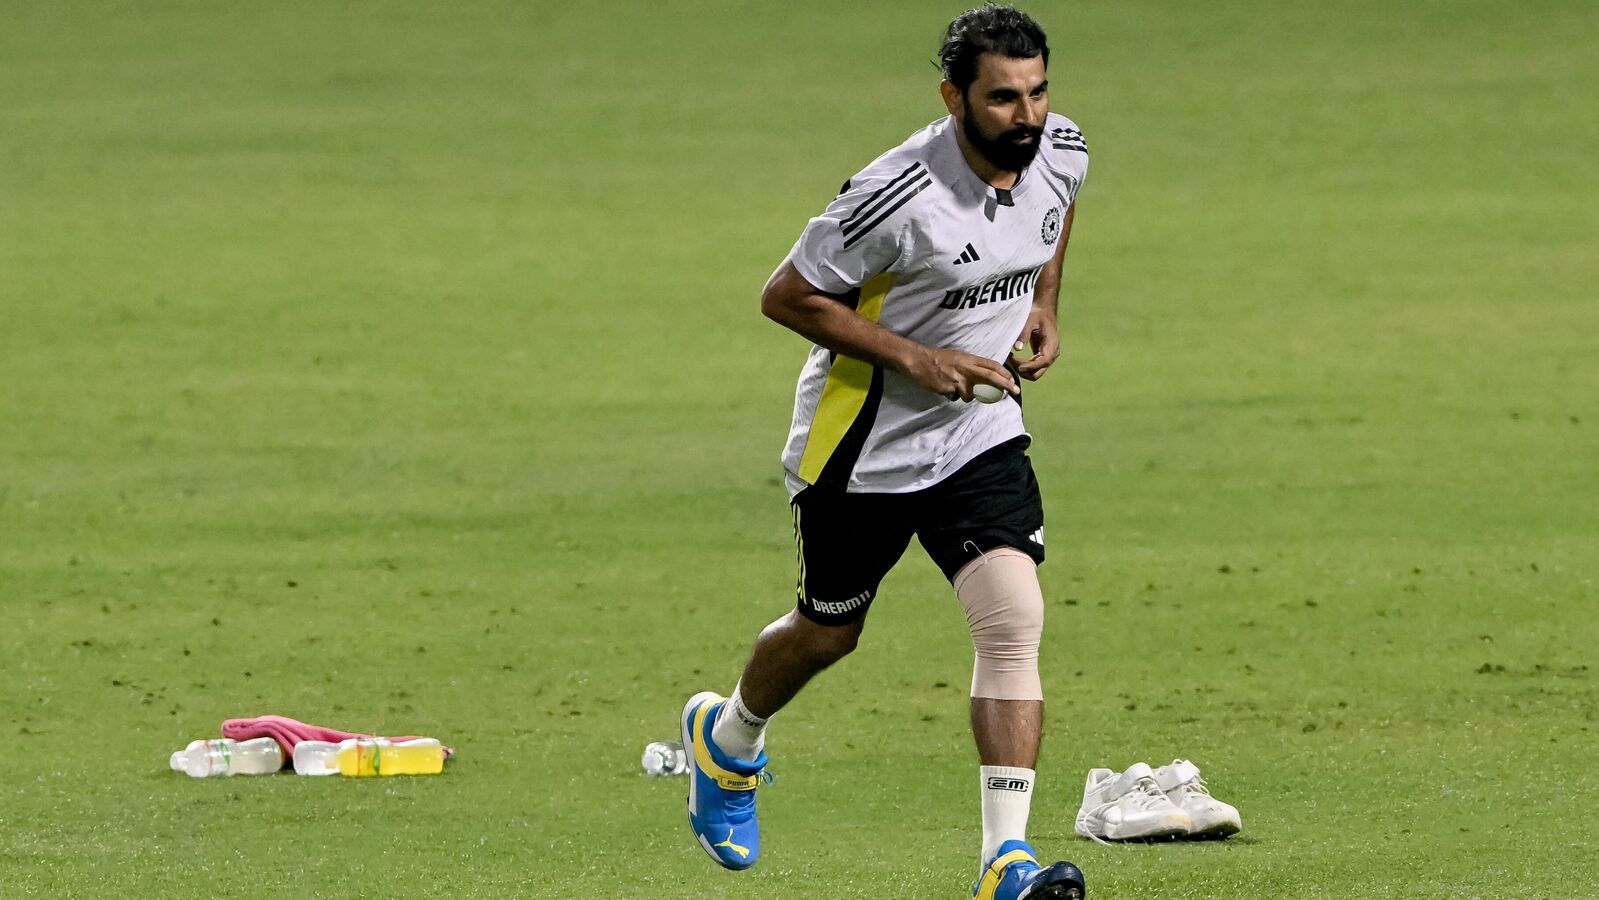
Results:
288 732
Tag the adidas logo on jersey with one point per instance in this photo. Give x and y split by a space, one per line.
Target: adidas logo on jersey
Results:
967 255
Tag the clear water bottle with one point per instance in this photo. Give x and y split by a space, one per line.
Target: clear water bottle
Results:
224 756
316 758
665 758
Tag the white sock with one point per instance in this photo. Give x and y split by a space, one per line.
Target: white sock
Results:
1007 797
740 733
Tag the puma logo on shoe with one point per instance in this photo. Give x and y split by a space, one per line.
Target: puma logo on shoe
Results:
741 851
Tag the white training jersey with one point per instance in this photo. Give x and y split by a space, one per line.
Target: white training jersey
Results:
922 246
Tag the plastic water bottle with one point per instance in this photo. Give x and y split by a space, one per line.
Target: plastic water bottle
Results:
224 756
378 756
362 757
316 758
665 758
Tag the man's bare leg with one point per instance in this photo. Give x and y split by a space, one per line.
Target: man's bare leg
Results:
787 654
1008 732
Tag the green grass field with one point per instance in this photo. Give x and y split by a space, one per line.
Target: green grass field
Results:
400 367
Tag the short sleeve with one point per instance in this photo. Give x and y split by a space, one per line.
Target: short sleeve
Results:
861 233
1065 157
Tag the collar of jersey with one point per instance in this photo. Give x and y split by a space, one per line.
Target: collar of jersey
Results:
969 178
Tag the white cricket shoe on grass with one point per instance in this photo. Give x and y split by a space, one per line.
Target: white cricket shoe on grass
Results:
1127 807
1181 784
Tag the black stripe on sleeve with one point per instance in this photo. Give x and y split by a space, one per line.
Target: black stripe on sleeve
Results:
904 198
1068 139
863 211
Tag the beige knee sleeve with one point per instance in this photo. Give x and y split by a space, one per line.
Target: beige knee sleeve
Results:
1005 612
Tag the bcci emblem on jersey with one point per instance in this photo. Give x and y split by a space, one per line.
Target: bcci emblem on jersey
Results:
1051 229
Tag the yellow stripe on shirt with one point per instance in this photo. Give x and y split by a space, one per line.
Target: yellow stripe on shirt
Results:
845 392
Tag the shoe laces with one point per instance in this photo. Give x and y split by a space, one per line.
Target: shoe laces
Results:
1145 794
1087 832
740 806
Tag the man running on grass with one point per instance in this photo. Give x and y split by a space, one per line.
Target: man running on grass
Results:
915 284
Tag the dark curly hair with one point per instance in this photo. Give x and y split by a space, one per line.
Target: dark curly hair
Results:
988 29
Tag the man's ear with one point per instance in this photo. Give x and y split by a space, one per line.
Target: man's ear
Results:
953 101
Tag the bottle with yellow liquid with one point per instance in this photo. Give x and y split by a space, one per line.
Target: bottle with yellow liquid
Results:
376 756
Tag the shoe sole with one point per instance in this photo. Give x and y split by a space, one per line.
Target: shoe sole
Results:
1216 832
1067 885
1149 838
1157 834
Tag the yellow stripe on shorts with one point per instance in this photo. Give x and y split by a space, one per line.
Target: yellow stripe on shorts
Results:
799 550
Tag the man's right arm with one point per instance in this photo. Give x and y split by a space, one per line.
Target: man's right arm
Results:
793 302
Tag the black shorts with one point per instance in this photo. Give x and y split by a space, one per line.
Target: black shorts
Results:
848 542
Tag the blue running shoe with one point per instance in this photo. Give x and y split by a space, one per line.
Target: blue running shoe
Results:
721 790
1014 874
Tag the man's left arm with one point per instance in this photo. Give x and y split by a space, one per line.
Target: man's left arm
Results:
1042 332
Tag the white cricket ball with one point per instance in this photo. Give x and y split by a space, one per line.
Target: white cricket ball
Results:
987 393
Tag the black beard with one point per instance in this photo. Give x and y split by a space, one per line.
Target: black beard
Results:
1003 151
